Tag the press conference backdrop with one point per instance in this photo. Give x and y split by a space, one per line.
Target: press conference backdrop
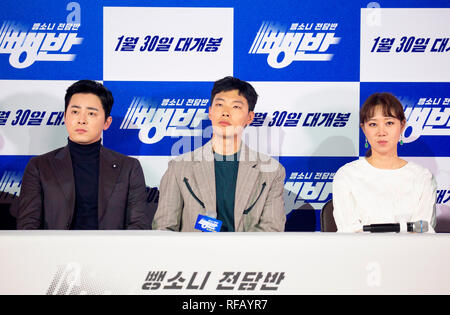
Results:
313 63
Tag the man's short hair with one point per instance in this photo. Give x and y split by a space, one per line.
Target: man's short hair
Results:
91 87
230 83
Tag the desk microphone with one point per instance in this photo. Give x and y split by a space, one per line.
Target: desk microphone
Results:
414 227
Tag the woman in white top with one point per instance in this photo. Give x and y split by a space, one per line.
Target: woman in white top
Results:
383 188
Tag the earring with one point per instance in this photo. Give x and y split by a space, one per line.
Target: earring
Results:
401 140
366 145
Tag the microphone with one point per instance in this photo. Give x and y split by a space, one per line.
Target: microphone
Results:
413 227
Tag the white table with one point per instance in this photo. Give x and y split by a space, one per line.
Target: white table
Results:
118 262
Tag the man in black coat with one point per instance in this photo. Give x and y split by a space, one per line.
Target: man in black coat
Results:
84 186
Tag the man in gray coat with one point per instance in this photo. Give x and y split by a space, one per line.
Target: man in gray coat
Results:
224 181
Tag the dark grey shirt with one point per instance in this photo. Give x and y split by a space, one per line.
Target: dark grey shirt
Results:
226 170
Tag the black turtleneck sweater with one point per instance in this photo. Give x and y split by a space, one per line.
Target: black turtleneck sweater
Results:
85 163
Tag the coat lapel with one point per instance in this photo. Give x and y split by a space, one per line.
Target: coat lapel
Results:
203 168
248 173
109 172
63 170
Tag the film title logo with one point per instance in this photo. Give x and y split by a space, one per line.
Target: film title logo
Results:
299 42
429 116
43 41
169 118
